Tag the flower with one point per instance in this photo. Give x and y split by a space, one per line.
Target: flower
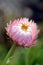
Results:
23 31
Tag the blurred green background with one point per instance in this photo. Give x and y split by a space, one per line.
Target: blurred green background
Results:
13 9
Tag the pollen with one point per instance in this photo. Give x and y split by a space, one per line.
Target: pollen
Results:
24 27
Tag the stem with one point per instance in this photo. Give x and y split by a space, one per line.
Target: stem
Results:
27 50
9 54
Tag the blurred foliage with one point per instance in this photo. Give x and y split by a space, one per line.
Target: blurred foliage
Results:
27 56
40 24
3 52
10 16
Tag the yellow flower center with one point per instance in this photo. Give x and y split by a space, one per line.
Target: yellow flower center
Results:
24 27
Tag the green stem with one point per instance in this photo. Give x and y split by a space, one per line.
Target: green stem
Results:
9 54
27 50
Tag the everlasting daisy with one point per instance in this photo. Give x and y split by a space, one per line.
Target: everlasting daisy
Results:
23 31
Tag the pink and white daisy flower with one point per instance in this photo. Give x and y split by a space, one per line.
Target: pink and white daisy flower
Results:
23 31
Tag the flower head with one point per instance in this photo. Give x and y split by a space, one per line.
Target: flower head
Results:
23 31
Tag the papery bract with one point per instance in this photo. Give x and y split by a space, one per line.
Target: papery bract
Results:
23 31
